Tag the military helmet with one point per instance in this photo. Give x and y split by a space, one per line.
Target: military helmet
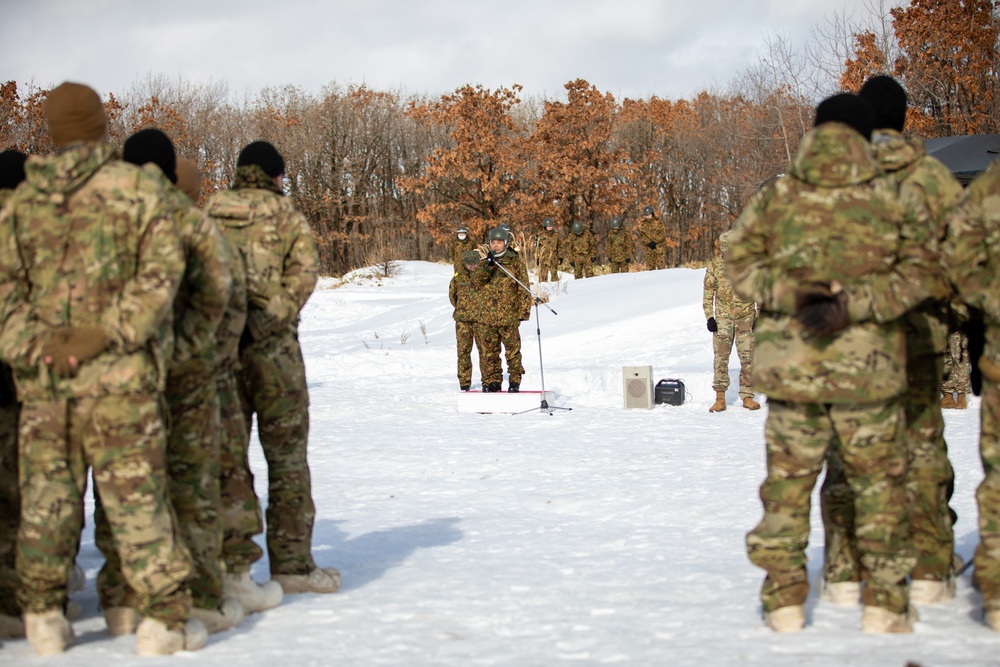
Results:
548 222
462 229
500 234
648 210
578 228
616 222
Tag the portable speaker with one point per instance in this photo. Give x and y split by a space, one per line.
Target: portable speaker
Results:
637 384
670 391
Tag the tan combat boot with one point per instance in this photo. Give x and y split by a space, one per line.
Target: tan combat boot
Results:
153 637
879 621
786 619
720 402
750 404
48 632
961 404
947 401
320 580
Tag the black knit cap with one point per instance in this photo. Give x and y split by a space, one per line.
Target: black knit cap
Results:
152 145
265 156
888 99
11 169
848 109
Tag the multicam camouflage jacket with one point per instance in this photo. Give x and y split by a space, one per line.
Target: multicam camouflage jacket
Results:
972 253
927 192
619 245
833 218
505 303
277 246
718 298
88 240
467 291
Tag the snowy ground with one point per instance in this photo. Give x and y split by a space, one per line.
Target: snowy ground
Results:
592 536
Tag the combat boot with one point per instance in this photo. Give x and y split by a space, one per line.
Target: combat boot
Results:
153 637
879 621
720 402
750 404
48 632
929 591
992 619
960 403
513 387
320 580
228 615
841 593
253 597
786 619
947 401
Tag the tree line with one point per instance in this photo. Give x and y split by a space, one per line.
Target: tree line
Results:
384 175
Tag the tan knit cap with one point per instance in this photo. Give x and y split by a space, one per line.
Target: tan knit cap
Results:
188 178
74 113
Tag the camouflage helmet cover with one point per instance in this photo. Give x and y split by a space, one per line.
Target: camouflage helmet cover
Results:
471 257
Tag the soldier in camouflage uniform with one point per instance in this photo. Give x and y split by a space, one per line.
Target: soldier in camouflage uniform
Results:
548 252
826 255
466 295
11 625
927 191
582 248
281 264
505 305
462 244
193 441
89 266
619 246
970 254
956 385
652 235
730 319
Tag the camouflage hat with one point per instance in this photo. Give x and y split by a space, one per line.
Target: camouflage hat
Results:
548 222
74 112
578 228
616 222
471 257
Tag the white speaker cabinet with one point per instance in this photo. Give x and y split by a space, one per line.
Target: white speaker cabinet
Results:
637 385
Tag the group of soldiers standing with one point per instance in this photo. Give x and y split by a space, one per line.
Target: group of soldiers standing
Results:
139 336
855 259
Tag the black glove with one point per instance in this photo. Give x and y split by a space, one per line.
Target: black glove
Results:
821 310
491 258
628 260
593 260
572 263
712 325
651 245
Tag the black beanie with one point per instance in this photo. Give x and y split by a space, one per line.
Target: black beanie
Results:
11 169
848 109
265 156
154 146
887 99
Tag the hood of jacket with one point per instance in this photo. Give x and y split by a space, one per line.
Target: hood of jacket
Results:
894 151
834 155
66 171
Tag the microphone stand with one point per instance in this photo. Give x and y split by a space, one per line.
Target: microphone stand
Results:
544 407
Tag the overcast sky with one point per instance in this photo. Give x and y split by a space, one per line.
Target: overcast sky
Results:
630 48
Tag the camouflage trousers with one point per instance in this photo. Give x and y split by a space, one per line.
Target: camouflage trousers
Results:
548 270
868 437
619 267
739 332
582 268
121 438
465 338
10 507
241 516
957 366
193 483
655 259
930 481
273 386
489 339
986 575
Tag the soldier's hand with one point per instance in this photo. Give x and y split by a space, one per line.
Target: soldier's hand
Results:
572 263
67 348
491 258
651 245
712 325
822 309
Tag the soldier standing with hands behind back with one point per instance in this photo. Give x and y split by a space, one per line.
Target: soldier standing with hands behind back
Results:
652 234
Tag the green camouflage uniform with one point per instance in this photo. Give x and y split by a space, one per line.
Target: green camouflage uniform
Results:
619 249
505 305
652 230
970 254
106 256
734 317
548 255
281 263
459 248
833 218
466 295
10 496
927 191
582 248
193 402
957 366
